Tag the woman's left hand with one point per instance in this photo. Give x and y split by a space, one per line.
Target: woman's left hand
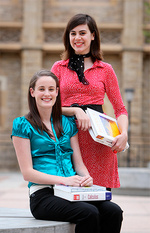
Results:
86 181
119 143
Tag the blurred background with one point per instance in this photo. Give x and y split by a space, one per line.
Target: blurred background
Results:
31 38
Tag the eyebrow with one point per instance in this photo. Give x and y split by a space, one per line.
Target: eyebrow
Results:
84 30
44 86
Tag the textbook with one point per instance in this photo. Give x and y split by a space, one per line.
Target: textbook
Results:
104 128
93 193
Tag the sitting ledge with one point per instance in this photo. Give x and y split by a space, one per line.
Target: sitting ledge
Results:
21 220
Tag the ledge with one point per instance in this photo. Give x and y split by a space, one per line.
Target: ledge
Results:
11 47
134 181
49 47
146 27
115 26
134 177
59 47
21 220
146 48
11 25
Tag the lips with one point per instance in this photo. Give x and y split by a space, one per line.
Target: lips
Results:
46 99
78 44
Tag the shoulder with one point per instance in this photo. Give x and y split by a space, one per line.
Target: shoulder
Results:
68 119
21 127
20 120
61 63
102 64
69 125
107 68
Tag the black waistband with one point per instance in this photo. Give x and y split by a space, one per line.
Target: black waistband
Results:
95 107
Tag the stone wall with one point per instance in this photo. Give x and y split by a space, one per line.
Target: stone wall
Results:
31 38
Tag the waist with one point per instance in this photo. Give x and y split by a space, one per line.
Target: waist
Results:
35 188
95 107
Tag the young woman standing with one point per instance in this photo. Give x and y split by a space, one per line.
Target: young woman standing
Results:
84 79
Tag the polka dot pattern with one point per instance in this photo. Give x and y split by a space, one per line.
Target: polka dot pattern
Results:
99 159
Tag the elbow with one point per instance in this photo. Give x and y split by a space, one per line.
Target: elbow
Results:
25 178
26 175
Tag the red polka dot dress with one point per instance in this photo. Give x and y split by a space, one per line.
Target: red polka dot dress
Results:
99 159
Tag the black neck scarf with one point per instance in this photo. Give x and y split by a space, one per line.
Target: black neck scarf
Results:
76 63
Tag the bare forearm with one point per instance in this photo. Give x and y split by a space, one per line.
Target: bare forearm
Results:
81 170
41 178
82 117
123 124
69 111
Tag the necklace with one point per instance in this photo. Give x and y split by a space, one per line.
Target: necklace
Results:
76 63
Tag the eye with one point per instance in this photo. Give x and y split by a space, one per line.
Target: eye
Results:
72 33
52 89
41 89
82 33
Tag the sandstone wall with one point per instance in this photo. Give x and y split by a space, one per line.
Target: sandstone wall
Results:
31 38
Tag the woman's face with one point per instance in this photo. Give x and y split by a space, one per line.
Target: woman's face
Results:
80 39
45 92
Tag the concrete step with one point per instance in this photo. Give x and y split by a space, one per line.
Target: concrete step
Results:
21 221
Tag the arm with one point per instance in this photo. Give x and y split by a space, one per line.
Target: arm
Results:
22 148
80 168
120 141
23 153
114 95
82 117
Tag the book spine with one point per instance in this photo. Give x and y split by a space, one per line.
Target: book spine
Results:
91 196
96 196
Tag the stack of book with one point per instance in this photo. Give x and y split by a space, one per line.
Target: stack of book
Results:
103 128
93 193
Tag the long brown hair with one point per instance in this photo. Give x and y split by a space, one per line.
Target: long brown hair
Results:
75 21
34 117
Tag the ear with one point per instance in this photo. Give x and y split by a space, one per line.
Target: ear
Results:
57 91
93 36
32 92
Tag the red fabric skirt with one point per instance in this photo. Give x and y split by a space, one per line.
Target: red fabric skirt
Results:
100 161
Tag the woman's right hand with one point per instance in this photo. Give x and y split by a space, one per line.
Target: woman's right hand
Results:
73 180
83 119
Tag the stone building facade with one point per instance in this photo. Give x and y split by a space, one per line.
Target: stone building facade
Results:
31 38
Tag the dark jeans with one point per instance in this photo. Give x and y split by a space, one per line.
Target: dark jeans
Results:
89 217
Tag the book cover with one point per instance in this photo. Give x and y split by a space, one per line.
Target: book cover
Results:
72 189
104 128
93 193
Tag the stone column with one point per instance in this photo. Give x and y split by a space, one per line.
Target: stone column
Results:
32 46
133 59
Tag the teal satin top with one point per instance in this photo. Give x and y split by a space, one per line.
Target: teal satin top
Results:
48 156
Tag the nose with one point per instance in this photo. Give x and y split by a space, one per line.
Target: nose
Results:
47 92
78 37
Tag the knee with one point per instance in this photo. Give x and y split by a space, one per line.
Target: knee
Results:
112 210
118 210
91 213
118 213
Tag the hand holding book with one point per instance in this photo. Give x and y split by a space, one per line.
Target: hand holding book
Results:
104 129
119 143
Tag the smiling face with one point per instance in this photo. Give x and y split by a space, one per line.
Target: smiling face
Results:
80 39
45 92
